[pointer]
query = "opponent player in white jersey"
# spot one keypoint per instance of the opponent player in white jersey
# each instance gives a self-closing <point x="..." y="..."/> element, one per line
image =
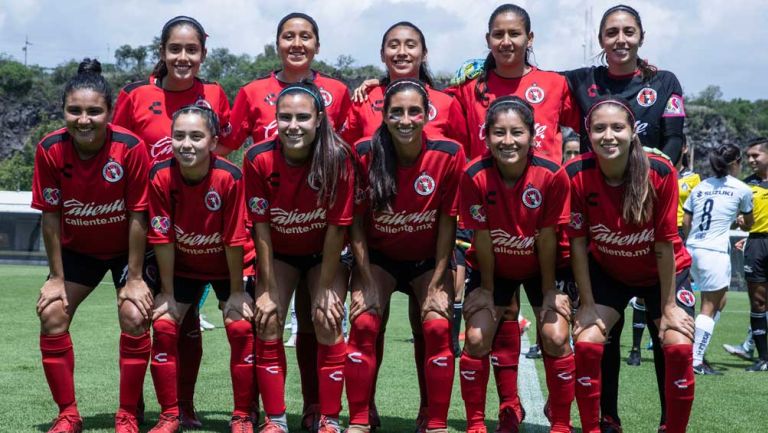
<point x="710" y="210"/>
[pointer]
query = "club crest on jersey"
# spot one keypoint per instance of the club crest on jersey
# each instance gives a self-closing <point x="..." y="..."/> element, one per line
<point x="477" y="212"/>
<point x="534" y="94"/>
<point x="202" y="103"/>
<point x="531" y="197"/>
<point x="161" y="224"/>
<point x="327" y="97"/>
<point x="577" y="221"/>
<point x="258" y="205"/>
<point x="377" y="105"/>
<point x="212" y="200"/>
<point x="646" y="97"/>
<point x="270" y="98"/>
<point x="686" y="297"/>
<point x="52" y="196"/>
<point x="432" y="112"/>
<point x="424" y="184"/>
<point x="112" y="171"/>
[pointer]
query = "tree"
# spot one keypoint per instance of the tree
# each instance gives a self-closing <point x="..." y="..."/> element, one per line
<point x="15" y="78"/>
<point x="132" y="59"/>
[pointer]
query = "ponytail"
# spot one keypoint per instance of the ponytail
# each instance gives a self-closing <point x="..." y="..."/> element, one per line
<point x="722" y="156"/>
<point x="637" y="202"/>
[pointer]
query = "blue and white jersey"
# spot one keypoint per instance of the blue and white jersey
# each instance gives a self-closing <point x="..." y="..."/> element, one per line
<point x="714" y="205"/>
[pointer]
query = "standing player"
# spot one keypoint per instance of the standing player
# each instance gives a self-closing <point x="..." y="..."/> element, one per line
<point x="299" y="190"/>
<point x="90" y="183"/>
<point x="197" y="215"/>
<point x="710" y="210"/>
<point x="412" y="187"/>
<point x="146" y="108"/>
<point x="513" y="200"/>
<point x="624" y="243"/>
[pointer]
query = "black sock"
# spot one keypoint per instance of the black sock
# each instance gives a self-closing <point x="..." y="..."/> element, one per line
<point x="638" y="325"/>
<point x="659" y="366"/>
<point x="759" y="324"/>
<point x="610" y="365"/>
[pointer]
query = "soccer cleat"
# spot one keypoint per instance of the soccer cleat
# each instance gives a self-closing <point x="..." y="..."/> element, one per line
<point x="739" y="351"/>
<point x="534" y="352"/>
<point x="760" y="365"/>
<point x="373" y="417"/>
<point x="291" y="341"/>
<point x="166" y="424"/>
<point x="662" y="429"/>
<point x="255" y="411"/>
<point x="704" y="369"/>
<point x="310" y="418"/>
<point x="477" y="430"/>
<point x="125" y="423"/>
<point x="610" y="425"/>
<point x="271" y="427"/>
<point x="188" y="415"/>
<point x="67" y="424"/>
<point x="509" y="421"/>
<point x="240" y="424"/>
<point x="421" y="420"/>
<point x="634" y="358"/>
<point x="548" y="415"/>
<point x="328" y="425"/>
<point x="523" y="323"/>
<point x="205" y="325"/>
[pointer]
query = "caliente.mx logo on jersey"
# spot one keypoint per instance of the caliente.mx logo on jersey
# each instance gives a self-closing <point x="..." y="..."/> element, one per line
<point x="424" y="184"/>
<point x="112" y="171"/>
<point x="212" y="200"/>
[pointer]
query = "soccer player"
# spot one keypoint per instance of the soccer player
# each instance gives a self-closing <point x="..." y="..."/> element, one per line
<point x="300" y="194"/>
<point x="624" y="243"/>
<point x="513" y="201"/>
<point x="571" y="146"/>
<point x="90" y="184"/>
<point x="146" y="108"/>
<point x="710" y="210"/>
<point x="756" y="251"/>
<point x="197" y="219"/>
<point x="411" y="197"/>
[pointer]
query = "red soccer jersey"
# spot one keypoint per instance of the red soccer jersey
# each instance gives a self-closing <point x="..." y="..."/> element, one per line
<point x="280" y="194"/>
<point x="198" y="219"/>
<point x="446" y="118"/>
<point x="95" y="195"/>
<point x="624" y="251"/>
<point x="147" y="109"/>
<point x="254" y="110"/>
<point x="548" y="94"/>
<point x="425" y="189"/>
<point x="513" y="214"/>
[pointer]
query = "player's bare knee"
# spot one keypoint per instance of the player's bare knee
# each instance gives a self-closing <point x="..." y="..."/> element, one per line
<point x="555" y="342"/>
<point x="592" y="334"/>
<point x="54" y="319"/>
<point x="672" y="337"/>
<point x="131" y="320"/>
<point x="475" y="344"/>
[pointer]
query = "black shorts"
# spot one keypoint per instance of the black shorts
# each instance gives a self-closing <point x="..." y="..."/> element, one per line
<point x="756" y="258"/>
<point x="404" y="271"/>
<point x="460" y="252"/>
<point x="612" y="293"/>
<point x="190" y="290"/>
<point x="309" y="261"/>
<point x="565" y="283"/>
<point x="505" y="289"/>
<point x="89" y="271"/>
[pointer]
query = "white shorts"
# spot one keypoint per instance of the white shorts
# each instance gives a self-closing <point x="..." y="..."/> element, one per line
<point x="711" y="270"/>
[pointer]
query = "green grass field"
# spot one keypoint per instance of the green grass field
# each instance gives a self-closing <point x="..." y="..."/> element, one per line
<point x="735" y="402"/>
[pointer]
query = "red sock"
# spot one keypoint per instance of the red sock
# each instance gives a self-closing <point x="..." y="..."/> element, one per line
<point x="505" y="357"/>
<point x="163" y="368"/>
<point x="679" y="385"/>
<point x="59" y="368"/>
<point x="360" y="365"/>
<point x="419" y="356"/>
<point x="379" y="360"/>
<point x="190" y="348"/>
<point x="438" y="370"/>
<point x="560" y="374"/>
<point x="134" y="358"/>
<point x="271" y="375"/>
<point x="588" y="358"/>
<point x="330" y="374"/>
<point x="240" y="336"/>
<point x="306" y="358"/>
<point x="473" y="376"/>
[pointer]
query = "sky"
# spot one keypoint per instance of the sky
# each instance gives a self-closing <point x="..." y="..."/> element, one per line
<point x="706" y="42"/>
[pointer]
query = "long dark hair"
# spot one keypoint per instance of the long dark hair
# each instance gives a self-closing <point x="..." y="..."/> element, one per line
<point x="481" y="85"/>
<point x="88" y="77"/>
<point x="161" y="69"/>
<point x="382" y="174"/>
<point x="637" y="201"/>
<point x="646" y="69"/>
<point x="424" y="75"/>
<point x="723" y="155"/>
<point x="329" y="150"/>
<point x="303" y="16"/>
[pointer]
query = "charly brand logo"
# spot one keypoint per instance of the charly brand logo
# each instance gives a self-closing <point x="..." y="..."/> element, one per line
<point x="355" y="357"/>
<point x="212" y="200"/>
<point x="534" y="94"/>
<point x="605" y="235"/>
<point x="424" y="184"/>
<point x="161" y="224"/>
<point x="112" y="171"/>
<point x="52" y="196"/>
<point x="531" y="197"/>
<point x="258" y="205"/>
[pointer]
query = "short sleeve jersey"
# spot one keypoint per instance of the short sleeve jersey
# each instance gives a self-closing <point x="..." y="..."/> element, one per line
<point x="686" y="181"/>
<point x="446" y="117"/>
<point x="624" y="251"/>
<point x="146" y="109"/>
<point x="281" y="195"/>
<point x="425" y="189"/>
<point x="714" y="204"/>
<point x="200" y="219"/>
<point x="513" y="214"/>
<point x="760" y="203"/>
<point x="94" y="196"/>
<point x="253" y="113"/>
<point x="657" y="103"/>
<point x="546" y="91"/>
